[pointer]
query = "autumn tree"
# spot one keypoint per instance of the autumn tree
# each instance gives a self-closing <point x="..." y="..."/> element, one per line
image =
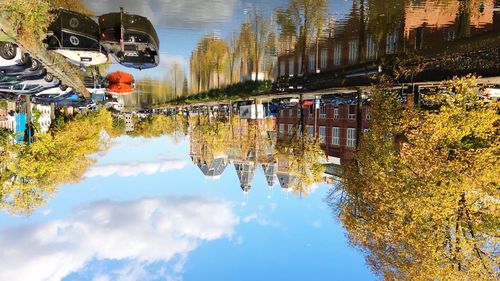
<point x="31" y="173"/>
<point x="420" y="197"/>
<point x="303" y="156"/>
<point x="302" y="19"/>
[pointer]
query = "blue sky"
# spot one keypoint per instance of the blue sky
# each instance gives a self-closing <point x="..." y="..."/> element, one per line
<point x="144" y="212"/>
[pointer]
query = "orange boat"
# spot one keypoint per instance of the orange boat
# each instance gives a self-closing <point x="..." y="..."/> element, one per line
<point x="120" y="89"/>
<point x="120" y="83"/>
<point x="120" y="77"/>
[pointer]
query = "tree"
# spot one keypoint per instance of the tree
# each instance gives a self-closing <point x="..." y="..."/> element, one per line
<point x="302" y="154"/>
<point x="30" y="174"/>
<point x="261" y="31"/>
<point x="420" y="196"/>
<point x="304" y="20"/>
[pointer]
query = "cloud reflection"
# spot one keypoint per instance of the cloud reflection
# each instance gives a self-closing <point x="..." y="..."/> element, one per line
<point x="143" y="232"/>
<point x="193" y="14"/>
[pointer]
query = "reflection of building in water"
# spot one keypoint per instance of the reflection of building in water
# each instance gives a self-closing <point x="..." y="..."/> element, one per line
<point x="214" y="168"/>
<point x="245" y="143"/>
<point x="364" y="39"/>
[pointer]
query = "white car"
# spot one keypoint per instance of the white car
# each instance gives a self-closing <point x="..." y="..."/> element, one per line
<point x="10" y="55"/>
<point x="115" y="105"/>
<point x="30" y="87"/>
<point x="491" y="92"/>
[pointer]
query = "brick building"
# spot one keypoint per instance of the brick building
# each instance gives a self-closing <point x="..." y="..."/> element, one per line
<point x="335" y="123"/>
<point x="355" y="42"/>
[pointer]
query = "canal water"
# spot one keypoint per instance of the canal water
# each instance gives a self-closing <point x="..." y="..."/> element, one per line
<point x="151" y="180"/>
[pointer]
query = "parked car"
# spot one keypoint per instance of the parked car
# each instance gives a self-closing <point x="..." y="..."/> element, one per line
<point x="30" y="87"/>
<point x="11" y="54"/>
<point x="131" y="39"/>
<point x="491" y="92"/>
<point x="115" y="105"/>
<point x="32" y="68"/>
<point x="53" y="95"/>
<point x="76" y="37"/>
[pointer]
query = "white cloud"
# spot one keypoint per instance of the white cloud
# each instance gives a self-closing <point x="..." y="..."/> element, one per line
<point x="142" y="232"/>
<point x="192" y="14"/>
<point x="131" y="169"/>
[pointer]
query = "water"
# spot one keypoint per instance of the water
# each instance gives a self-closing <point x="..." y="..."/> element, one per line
<point x="168" y="184"/>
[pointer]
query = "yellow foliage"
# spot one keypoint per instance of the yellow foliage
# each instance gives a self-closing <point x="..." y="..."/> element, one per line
<point x="421" y="197"/>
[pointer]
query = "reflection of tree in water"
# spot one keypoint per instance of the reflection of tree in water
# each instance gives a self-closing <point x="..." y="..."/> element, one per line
<point x="421" y="197"/>
<point x="30" y="174"/>
<point x="303" y="155"/>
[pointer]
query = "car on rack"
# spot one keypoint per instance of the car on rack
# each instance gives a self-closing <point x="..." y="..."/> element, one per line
<point x="31" y="68"/>
<point x="76" y="37"/>
<point x="53" y="95"/>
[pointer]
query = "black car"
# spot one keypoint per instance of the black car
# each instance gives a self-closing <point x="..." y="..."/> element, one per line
<point x="131" y="39"/>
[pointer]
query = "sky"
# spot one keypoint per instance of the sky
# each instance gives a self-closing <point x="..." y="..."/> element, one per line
<point x="181" y="24"/>
<point x="145" y="212"/>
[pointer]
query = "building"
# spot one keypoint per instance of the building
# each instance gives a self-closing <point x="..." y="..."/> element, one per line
<point x="335" y="122"/>
<point x="358" y="44"/>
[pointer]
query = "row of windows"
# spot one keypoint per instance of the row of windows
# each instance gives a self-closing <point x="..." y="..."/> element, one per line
<point x="322" y="113"/>
<point x="371" y="54"/>
<point x="335" y="140"/>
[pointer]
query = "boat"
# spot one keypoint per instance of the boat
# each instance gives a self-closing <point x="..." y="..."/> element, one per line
<point x="120" y="83"/>
<point x="76" y="37"/>
<point x="130" y="39"/>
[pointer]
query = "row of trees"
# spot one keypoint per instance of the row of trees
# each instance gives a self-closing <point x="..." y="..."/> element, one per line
<point x="251" y="53"/>
<point x="247" y="54"/>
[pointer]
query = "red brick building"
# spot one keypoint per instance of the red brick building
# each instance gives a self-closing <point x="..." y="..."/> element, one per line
<point x="354" y="42"/>
<point x="335" y="125"/>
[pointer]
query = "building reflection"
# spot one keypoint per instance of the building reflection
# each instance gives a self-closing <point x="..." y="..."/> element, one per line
<point x="377" y="36"/>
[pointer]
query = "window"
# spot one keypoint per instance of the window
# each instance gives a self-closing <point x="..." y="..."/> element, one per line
<point x="337" y="56"/>
<point x="290" y="112"/>
<point x="419" y="38"/>
<point x="322" y="134"/>
<point x="351" y="137"/>
<point x="312" y="63"/>
<point x="336" y="114"/>
<point x="299" y="66"/>
<point x="310" y="130"/>
<point x="352" y="112"/>
<point x="368" y="115"/>
<point x="290" y="129"/>
<point x="291" y="67"/>
<point x="298" y="112"/>
<point x="449" y="35"/>
<point x="371" y="48"/>
<point x="392" y="41"/>
<point x="282" y="68"/>
<point x="353" y="51"/>
<point x="335" y="136"/>
<point x="282" y="113"/>
<point x="282" y="128"/>
<point x="324" y="58"/>
<point x="322" y="111"/>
